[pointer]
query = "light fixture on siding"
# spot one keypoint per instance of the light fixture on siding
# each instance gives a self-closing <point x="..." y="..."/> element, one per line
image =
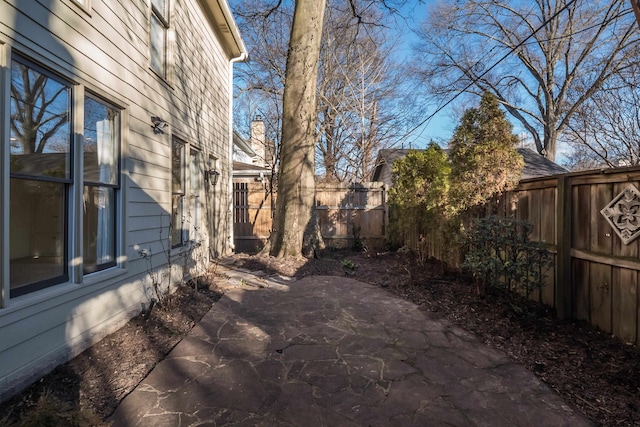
<point x="158" y="124"/>
<point x="212" y="176"/>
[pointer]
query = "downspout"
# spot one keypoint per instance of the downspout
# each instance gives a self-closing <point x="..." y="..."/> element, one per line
<point x="243" y="57"/>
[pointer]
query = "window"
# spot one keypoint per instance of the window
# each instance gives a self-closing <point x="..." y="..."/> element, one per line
<point x="186" y="184"/>
<point x="195" y="187"/>
<point x="101" y="183"/>
<point x="40" y="178"/>
<point x="240" y="202"/>
<point x="44" y="176"/>
<point x="178" y="191"/>
<point x="158" y="37"/>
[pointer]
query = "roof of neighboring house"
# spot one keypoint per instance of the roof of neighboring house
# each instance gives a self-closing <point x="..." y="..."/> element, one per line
<point x="535" y="165"/>
<point x="242" y="144"/>
<point x="386" y="157"/>
<point x="240" y="166"/>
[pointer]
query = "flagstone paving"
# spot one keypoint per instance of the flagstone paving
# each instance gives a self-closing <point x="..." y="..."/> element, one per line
<point x="333" y="351"/>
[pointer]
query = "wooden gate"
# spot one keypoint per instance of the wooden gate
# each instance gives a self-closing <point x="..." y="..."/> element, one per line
<point x="253" y="209"/>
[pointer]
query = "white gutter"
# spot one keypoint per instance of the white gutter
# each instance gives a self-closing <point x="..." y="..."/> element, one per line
<point x="223" y="23"/>
<point x="235" y="31"/>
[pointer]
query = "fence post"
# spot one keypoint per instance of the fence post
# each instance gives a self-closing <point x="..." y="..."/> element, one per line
<point x="385" y="213"/>
<point x="563" y="277"/>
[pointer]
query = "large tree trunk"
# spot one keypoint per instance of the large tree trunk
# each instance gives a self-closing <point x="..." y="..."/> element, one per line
<point x="296" y="182"/>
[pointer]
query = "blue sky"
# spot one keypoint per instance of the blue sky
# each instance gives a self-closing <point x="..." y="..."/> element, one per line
<point x="441" y="126"/>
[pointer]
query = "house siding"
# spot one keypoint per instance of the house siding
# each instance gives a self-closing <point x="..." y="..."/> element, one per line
<point x="104" y="50"/>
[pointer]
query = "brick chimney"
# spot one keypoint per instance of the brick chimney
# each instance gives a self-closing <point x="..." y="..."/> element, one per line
<point x="257" y="141"/>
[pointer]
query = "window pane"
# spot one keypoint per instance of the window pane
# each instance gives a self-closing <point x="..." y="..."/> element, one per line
<point x="101" y="142"/>
<point x="40" y="125"/>
<point x="99" y="241"/>
<point x="177" y="185"/>
<point x="194" y="172"/>
<point x="37" y="234"/>
<point x="177" y="220"/>
<point x="157" y="45"/>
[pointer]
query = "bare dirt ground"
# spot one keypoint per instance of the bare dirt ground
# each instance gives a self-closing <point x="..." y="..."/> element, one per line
<point x="593" y="371"/>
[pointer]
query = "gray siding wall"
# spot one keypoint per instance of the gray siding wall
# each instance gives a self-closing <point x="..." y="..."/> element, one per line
<point x="105" y="50"/>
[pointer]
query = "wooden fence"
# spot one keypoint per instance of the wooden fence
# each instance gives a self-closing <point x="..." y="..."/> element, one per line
<point x="345" y="213"/>
<point x="596" y="275"/>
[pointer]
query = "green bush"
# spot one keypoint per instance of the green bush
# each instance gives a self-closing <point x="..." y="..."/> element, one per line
<point x="436" y="194"/>
<point x="418" y="198"/>
<point x="500" y="255"/>
<point x="484" y="159"/>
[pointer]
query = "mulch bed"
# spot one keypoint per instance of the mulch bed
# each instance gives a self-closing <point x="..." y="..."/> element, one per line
<point x="86" y="390"/>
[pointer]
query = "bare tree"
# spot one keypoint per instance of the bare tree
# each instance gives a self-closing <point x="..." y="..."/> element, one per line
<point x="265" y="26"/>
<point x="605" y="131"/>
<point x="295" y="223"/>
<point x="40" y="111"/>
<point x="361" y="107"/>
<point x="543" y="59"/>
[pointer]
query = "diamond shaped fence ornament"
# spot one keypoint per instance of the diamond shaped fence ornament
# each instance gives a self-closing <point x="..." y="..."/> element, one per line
<point x="623" y="214"/>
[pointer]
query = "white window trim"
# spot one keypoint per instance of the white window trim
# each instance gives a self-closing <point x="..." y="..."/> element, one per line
<point x="168" y="23"/>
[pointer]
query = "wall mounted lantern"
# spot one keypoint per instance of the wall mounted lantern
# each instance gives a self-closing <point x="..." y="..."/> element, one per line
<point x="212" y="176"/>
<point x="158" y="125"/>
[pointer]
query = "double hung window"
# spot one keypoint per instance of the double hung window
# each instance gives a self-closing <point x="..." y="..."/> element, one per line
<point x="195" y="188"/>
<point x="186" y="205"/>
<point x="101" y="184"/>
<point x="45" y="172"/>
<point x="178" y="217"/>
<point x="41" y="147"/>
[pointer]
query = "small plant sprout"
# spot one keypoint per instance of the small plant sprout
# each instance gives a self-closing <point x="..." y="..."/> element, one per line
<point x="349" y="266"/>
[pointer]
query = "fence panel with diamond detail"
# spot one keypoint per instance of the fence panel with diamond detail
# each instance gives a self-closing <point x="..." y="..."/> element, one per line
<point x="589" y="221"/>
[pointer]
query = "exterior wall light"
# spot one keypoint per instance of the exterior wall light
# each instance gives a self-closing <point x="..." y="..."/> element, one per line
<point x="212" y="176"/>
<point x="158" y="124"/>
